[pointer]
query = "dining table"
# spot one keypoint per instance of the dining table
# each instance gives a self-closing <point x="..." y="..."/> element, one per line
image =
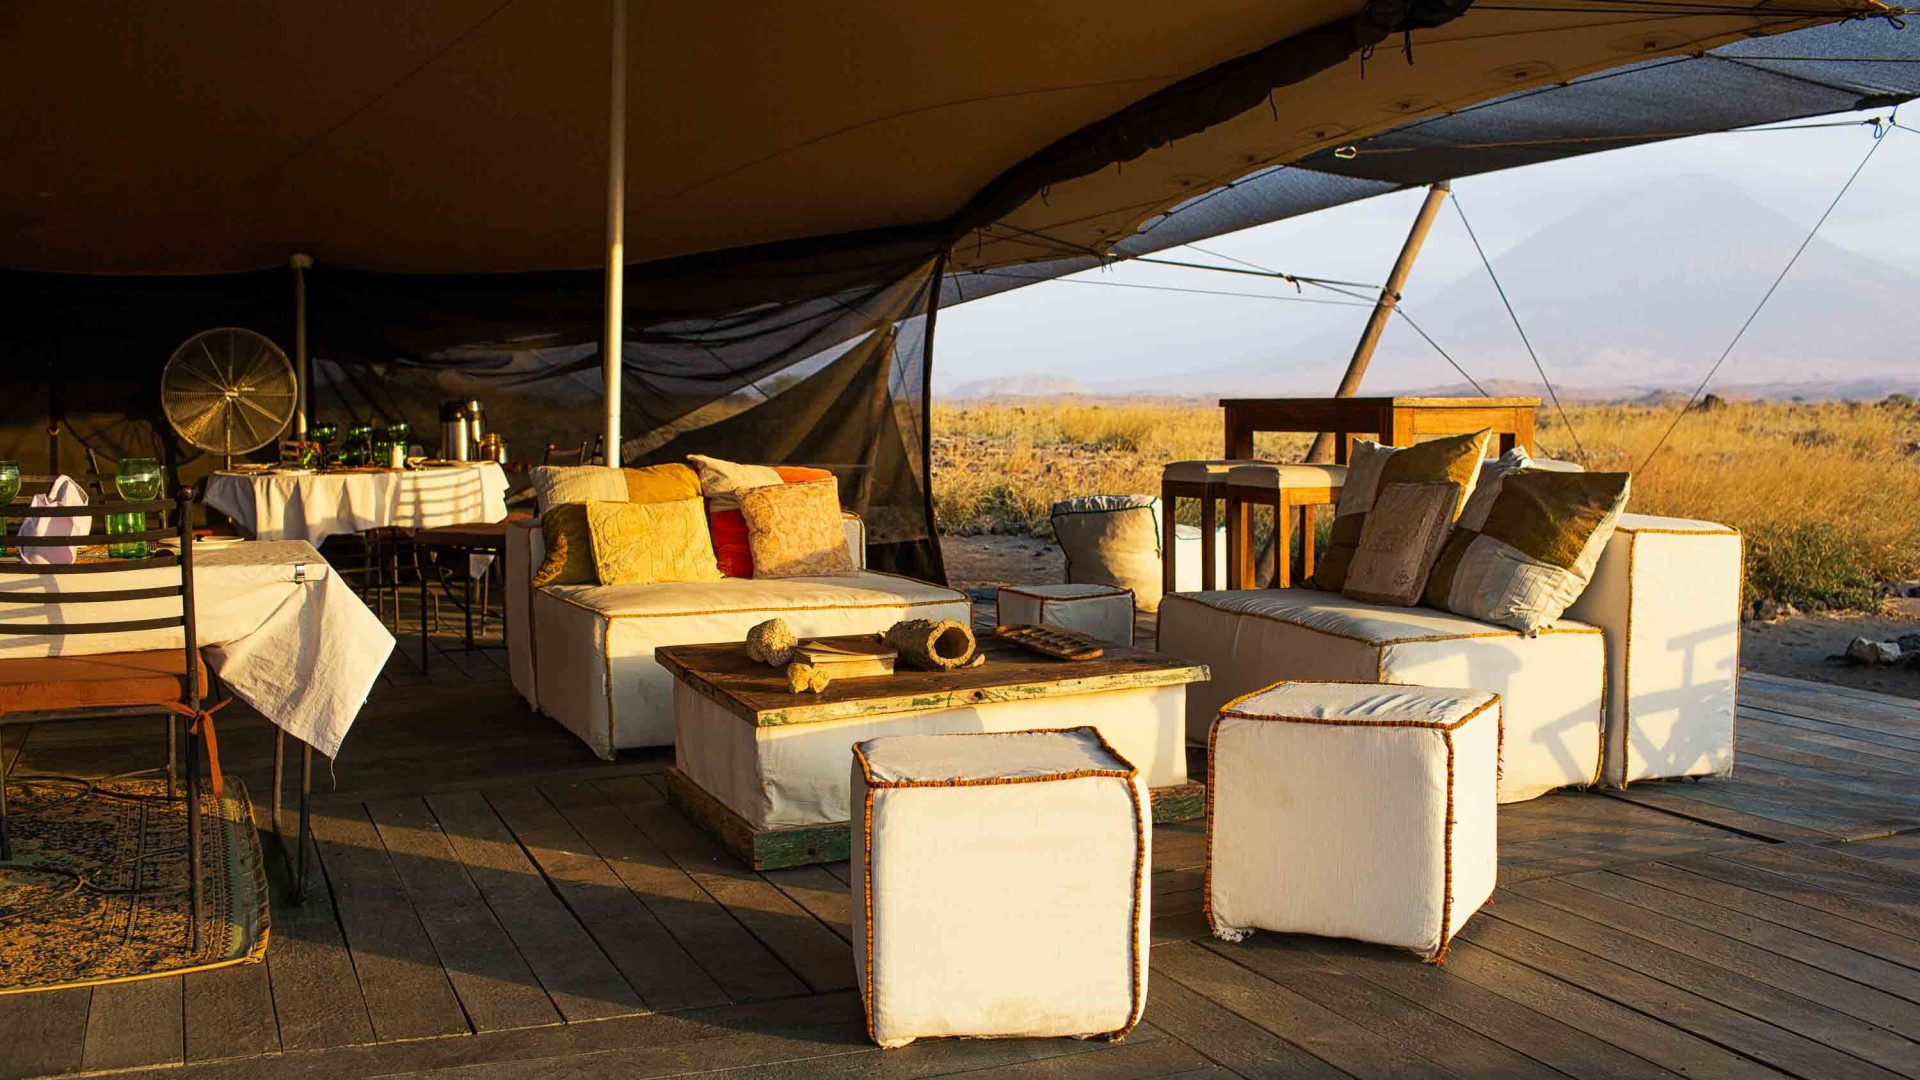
<point x="312" y="505"/>
<point x="276" y="625"/>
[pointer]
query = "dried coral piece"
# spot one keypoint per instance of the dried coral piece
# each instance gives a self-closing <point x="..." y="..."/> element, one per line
<point x="931" y="645"/>
<point x="772" y="642"/>
<point x="806" y="679"/>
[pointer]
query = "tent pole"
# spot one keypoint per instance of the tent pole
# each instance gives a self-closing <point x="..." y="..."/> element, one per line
<point x="1383" y="309"/>
<point x="615" y="336"/>
<point x="301" y="377"/>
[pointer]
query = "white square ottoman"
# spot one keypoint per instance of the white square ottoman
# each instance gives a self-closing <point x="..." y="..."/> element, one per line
<point x="1354" y="810"/>
<point x="1104" y="611"/>
<point x="999" y="886"/>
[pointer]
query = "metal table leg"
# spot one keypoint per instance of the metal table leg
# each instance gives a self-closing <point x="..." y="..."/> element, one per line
<point x="296" y="862"/>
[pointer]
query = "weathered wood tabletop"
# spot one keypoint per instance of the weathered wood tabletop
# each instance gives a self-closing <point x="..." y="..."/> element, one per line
<point x="758" y="694"/>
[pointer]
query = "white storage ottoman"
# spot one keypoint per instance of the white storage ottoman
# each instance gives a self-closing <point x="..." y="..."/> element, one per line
<point x="1104" y="611"/>
<point x="1353" y="810"/>
<point x="999" y="886"/>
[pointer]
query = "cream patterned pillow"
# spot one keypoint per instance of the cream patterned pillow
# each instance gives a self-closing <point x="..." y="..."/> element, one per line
<point x="1402" y="537"/>
<point x="723" y="481"/>
<point x="1371" y="467"/>
<point x="641" y="543"/>
<point x="794" y="530"/>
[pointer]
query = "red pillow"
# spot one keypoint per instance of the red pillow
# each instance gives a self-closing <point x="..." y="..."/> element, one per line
<point x="800" y="474"/>
<point x="730" y="547"/>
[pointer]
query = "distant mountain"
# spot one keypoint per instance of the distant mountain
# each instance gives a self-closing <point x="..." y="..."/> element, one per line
<point x="1641" y="289"/>
<point x="1017" y="386"/>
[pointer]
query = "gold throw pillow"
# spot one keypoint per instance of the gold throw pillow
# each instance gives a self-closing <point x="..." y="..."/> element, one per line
<point x="641" y="543"/>
<point x="662" y="483"/>
<point x="569" y="559"/>
<point x="1371" y="467"/>
<point x="794" y="530"/>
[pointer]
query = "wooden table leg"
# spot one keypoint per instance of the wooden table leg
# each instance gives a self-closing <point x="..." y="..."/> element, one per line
<point x="1168" y="533"/>
<point x="1307" y="542"/>
<point x="1209" y="522"/>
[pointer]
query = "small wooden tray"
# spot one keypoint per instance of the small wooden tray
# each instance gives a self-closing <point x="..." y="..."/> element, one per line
<point x="1052" y="641"/>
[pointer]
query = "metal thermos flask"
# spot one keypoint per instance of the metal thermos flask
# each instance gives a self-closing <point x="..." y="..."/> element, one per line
<point x="455" y="431"/>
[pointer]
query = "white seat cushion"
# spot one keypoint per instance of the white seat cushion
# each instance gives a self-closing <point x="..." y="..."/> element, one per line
<point x="1202" y="471"/>
<point x="999" y="886"/>
<point x="593" y="644"/>
<point x="1268" y="476"/>
<point x="1667" y="592"/>
<point x="1354" y="810"/>
<point x="1552" y="686"/>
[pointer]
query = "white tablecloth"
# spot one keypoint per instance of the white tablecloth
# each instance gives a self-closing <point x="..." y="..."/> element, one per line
<point x="284" y="633"/>
<point x="274" y="506"/>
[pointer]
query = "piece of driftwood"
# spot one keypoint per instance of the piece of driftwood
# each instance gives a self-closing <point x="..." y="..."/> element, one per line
<point x="772" y="642"/>
<point x="933" y="645"/>
<point x="1054" y="641"/>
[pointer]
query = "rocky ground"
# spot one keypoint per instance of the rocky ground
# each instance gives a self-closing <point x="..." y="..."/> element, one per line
<point x="1799" y="645"/>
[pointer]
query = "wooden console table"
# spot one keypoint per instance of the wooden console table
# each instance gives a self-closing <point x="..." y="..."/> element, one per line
<point x="1397" y="421"/>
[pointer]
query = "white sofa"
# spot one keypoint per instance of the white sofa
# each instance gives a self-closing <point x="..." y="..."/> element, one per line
<point x="1640" y="673"/>
<point x="583" y="654"/>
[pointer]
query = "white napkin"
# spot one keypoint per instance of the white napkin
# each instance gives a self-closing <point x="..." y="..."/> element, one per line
<point x="63" y="493"/>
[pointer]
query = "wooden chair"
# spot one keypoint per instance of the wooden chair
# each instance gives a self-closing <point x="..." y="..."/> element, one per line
<point x="172" y="682"/>
<point x="1203" y="480"/>
<point x="1293" y="491"/>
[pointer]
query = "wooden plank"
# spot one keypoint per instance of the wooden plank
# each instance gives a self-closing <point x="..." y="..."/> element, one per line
<point x="1603" y="1019"/>
<point x="1289" y="961"/>
<point x="1777" y="940"/>
<point x="43" y="1033"/>
<point x="1321" y="1032"/>
<point x="1676" y="797"/>
<point x="229" y="1013"/>
<point x="1834" y="1031"/>
<point x="758" y="694"/>
<point x="731" y="956"/>
<point x="1242" y="1046"/>
<point x="495" y="986"/>
<point x="1758" y="964"/>
<point x="1905" y="743"/>
<point x="1854" y="766"/>
<point x="1799" y="890"/>
<point x="1775" y="729"/>
<point x="582" y="982"/>
<point x="632" y="937"/>
<point x="812" y="951"/>
<point x="1767" y="818"/>
<point x="406" y="990"/>
<point x="1521" y="1029"/>
<point x="317" y="1001"/>
<point x="1623" y="984"/>
<point x="1690" y="881"/>
<point x="135" y="1023"/>
<point x="824" y="896"/>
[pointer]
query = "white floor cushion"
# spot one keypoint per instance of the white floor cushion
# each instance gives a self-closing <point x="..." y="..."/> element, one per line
<point x="1667" y="592"/>
<point x="1552" y="686"/>
<point x="1104" y="611"/>
<point x="999" y="886"/>
<point x="1352" y="810"/>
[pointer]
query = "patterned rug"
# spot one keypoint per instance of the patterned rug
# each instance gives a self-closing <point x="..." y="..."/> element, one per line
<point x="106" y="899"/>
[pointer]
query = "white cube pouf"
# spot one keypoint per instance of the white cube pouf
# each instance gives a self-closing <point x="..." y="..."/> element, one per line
<point x="999" y="885"/>
<point x="1353" y="810"/>
<point x="1104" y="611"/>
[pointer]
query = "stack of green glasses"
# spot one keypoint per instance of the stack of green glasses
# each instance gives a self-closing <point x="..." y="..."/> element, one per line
<point x="137" y="480"/>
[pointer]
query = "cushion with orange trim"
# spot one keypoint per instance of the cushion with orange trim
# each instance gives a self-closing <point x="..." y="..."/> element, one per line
<point x="102" y="681"/>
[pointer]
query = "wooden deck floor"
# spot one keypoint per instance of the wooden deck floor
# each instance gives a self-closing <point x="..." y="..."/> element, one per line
<point x="495" y="903"/>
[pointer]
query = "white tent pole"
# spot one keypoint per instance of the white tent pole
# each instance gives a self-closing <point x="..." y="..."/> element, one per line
<point x="616" y="231"/>
<point x="300" y="263"/>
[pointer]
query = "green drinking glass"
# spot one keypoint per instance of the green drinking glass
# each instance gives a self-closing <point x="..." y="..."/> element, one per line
<point x="126" y="523"/>
<point x="9" y="481"/>
<point x="137" y="480"/>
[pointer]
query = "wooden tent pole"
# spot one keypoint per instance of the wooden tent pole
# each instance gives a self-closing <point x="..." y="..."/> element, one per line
<point x="301" y="378"/>
<point x="615" y="336"/>
<point x="1383" y="309"/>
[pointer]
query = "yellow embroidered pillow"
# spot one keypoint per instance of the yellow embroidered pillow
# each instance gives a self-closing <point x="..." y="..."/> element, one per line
<point x="569" y="558"/>
<point x="662" y="483"/>
<point x="794" y="530"/>
<point x="641" y="543"/>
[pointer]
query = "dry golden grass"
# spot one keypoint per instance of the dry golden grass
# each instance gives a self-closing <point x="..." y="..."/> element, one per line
<point x="1828" y="495"/>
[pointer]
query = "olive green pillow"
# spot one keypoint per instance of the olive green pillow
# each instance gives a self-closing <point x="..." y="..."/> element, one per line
<point x="1371" y="467"/>
<point x="569" y="558"/>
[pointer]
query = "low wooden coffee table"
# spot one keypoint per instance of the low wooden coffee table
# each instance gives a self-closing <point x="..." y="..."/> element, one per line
<point x="768" y="771"/>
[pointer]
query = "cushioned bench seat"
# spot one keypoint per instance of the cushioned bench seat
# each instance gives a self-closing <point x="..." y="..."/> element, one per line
<point x="1552" y="685"/>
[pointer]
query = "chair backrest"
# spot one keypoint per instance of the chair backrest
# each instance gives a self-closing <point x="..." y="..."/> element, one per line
<point x="571" y="455"/>
<point x="104" y="574"/>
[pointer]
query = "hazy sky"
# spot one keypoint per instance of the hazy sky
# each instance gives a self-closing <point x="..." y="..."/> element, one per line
<point x="1085" y="327"/>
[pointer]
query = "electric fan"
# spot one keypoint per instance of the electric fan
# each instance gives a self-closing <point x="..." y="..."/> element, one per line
<point x="228" y="391"/>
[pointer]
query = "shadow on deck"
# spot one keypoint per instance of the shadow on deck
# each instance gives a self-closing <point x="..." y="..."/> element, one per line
<point x="495" y="900"/>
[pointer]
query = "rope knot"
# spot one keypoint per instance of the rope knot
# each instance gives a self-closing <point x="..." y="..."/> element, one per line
<point x="201" y="723"/>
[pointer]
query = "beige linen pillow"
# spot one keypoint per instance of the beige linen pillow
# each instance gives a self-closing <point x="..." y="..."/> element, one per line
<point x="794" y="530"/>
<point x="641" y="543"/>
<point x="722" y="481"/>
<point x="1403" y="536"/>
<point x="556" y="484"/>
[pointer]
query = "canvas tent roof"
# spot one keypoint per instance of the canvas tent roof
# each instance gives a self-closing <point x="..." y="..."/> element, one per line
<point x="804" y="180"/>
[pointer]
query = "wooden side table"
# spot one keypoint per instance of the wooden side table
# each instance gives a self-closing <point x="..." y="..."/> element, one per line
<point x="1398" y="421"/>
